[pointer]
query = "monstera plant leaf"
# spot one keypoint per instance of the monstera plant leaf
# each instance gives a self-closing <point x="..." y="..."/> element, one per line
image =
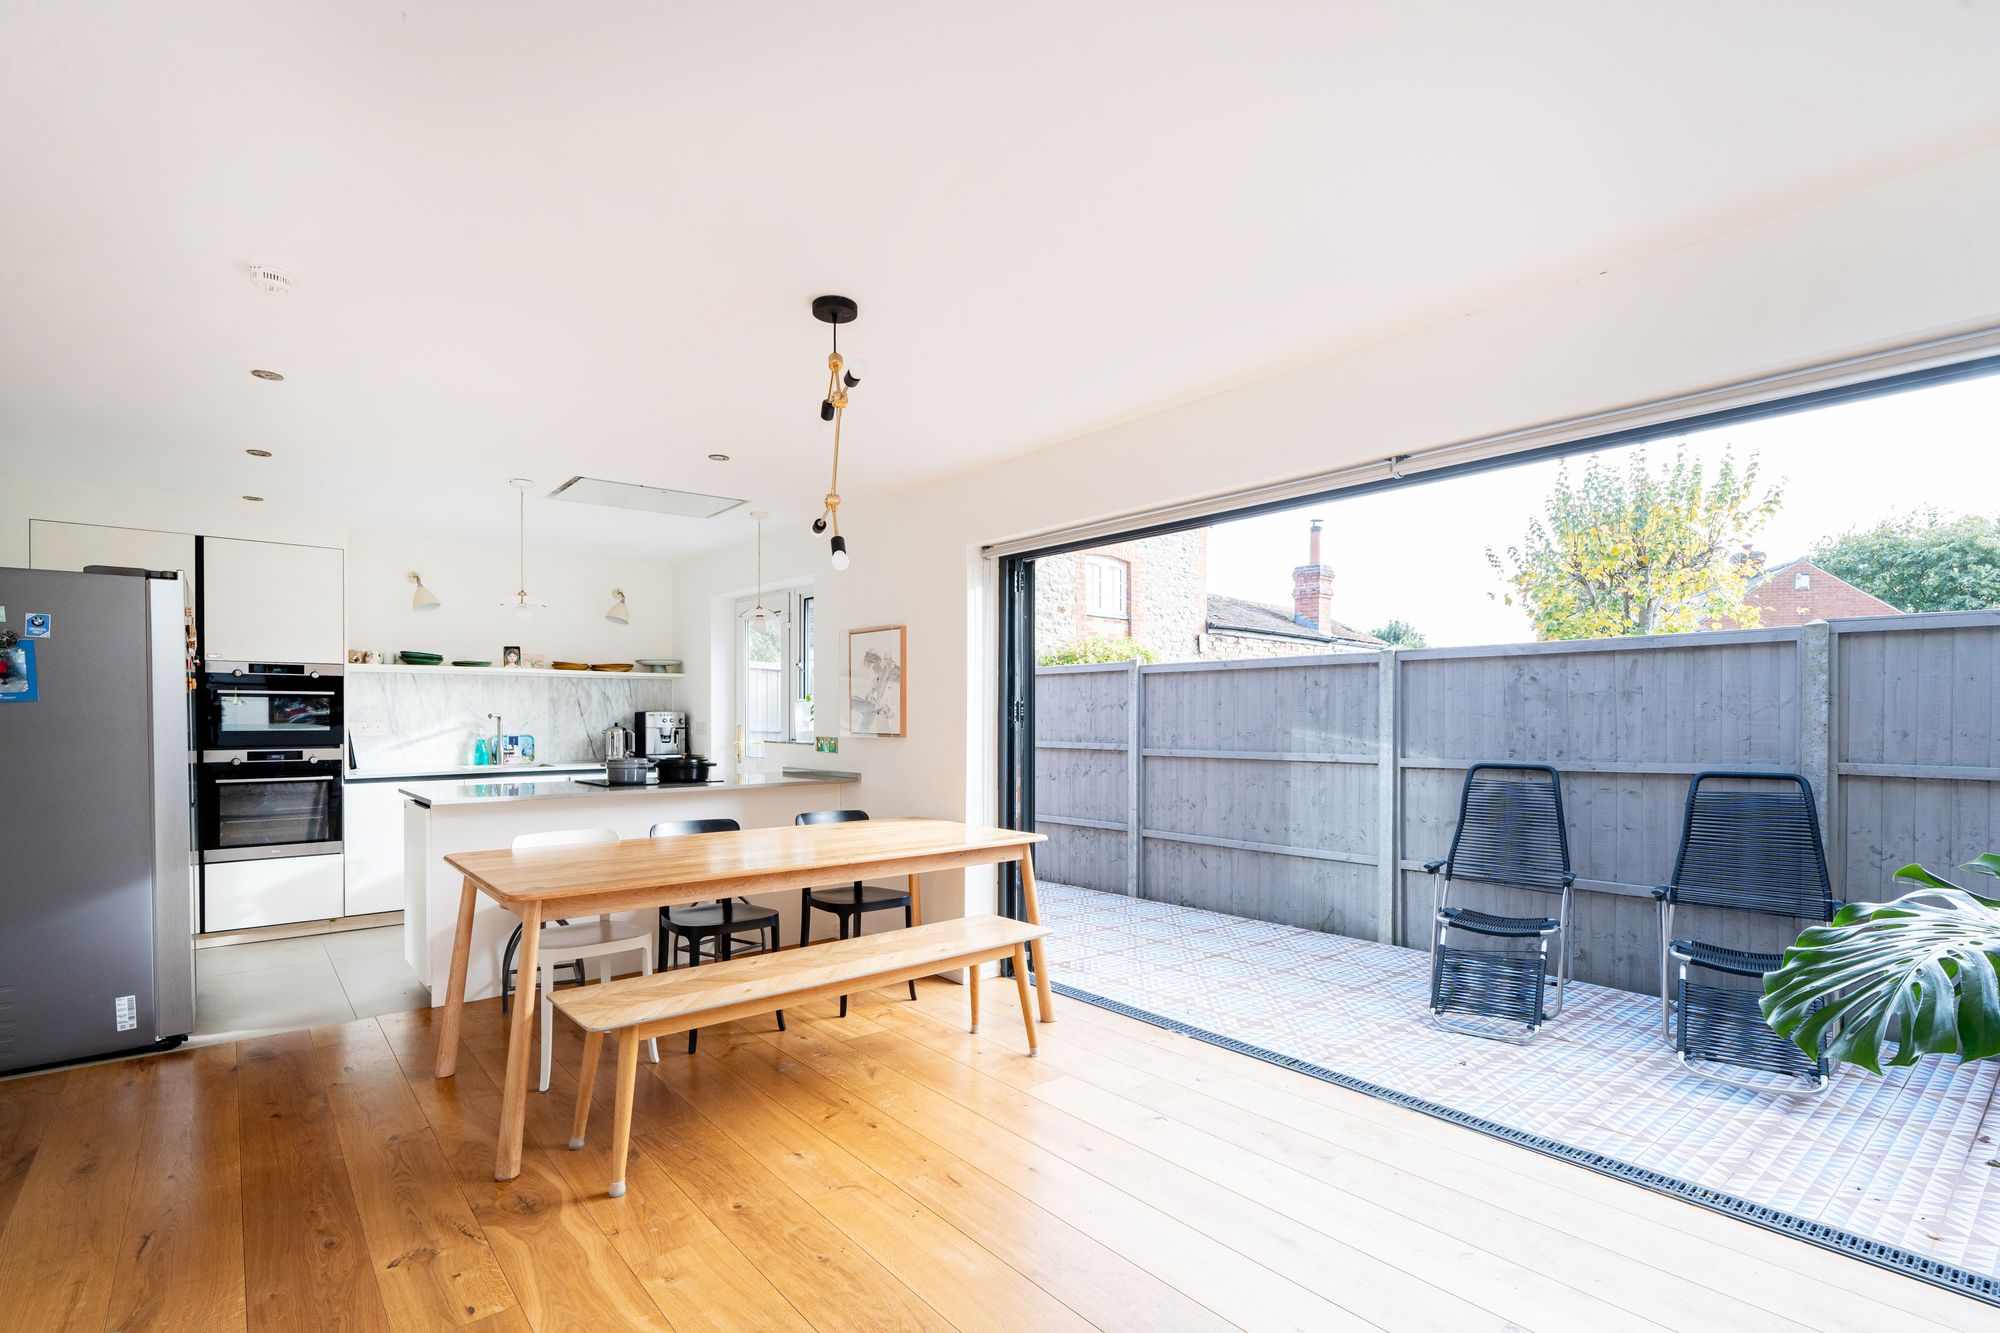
<point x="1925" y="968"/>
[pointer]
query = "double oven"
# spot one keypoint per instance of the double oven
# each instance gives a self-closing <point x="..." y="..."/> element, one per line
<point x="267" y="792"/>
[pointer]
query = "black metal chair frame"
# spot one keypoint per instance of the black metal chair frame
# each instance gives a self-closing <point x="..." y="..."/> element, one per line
<point x="695" y="927"/>
<point x="1498" y="856"/>
<point x="866" y="897"/>
<point x="1736" y="885"/>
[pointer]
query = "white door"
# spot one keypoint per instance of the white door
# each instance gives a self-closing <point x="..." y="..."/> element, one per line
<point x="272" y="602"/>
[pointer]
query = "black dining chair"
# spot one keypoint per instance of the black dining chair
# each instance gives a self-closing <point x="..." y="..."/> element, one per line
<point x="717" y="925"/>
<point x="849" y="903"/>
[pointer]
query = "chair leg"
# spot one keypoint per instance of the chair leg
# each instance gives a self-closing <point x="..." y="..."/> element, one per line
<point x="805" y="917"/>
<point x="908" y="921"/>
<point x="507" y="968"/>
<point x="694" y="960"/>
<point x="548" y="971"/>
<point x="645" y="970"/>
<point x="843" y="935"/>
<point x="586" y="1083"/>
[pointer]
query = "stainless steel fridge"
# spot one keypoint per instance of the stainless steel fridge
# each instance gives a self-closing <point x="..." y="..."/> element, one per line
<point x="96" y="867"/>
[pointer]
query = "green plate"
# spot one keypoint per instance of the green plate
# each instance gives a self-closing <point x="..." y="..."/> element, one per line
<point x="422" y="659"/>
<point x="472" y="664"/>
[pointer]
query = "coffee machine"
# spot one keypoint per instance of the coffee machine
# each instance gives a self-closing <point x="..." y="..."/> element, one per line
<point x="660" y="733"/>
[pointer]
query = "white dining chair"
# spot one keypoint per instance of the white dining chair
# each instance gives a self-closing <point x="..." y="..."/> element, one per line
<point x="599" y="939"/>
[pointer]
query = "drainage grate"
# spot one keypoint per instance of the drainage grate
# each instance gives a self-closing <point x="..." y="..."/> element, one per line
<point x="1949" y="1276"/>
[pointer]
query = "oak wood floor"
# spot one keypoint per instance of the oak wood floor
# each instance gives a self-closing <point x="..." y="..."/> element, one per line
<point x="879" y="1172"/>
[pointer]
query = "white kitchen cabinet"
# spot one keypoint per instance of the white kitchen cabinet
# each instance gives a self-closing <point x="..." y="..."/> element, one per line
<point x="241" y="895"/>
<point x="372" y="825"/>
<point x="272" y="602"/>
<point x="53" y="545"/>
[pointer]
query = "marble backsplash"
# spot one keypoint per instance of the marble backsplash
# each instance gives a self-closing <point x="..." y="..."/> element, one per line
<point x="432" y="721"/>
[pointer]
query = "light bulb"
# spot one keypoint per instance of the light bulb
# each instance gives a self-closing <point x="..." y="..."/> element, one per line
<point x="855" y="372"/>
<point x="523" y="613"/>
<point x="840" y="553"/>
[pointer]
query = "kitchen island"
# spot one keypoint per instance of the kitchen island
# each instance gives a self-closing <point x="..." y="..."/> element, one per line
<point x="442" y="819"/>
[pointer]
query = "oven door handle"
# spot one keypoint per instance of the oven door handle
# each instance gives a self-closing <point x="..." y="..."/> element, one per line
<point x="312" y="694"/>
<point x="238" y="782"/>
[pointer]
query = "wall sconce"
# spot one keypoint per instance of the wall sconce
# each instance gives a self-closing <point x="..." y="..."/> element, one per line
<point x="423" y="599"/>
<point x="619" y="614"/>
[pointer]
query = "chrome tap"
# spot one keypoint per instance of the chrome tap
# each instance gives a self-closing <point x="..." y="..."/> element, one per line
<point x="497" y="746"/>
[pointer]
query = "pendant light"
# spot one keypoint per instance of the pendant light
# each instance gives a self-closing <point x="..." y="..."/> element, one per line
<point x="523" y="605"/>
<point x="840" y="377"/>
<point x="761" y="614"/>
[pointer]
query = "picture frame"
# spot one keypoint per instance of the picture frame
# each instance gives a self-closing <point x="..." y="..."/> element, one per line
<point x="510" y="655"/>
<point x="878" y="691"/>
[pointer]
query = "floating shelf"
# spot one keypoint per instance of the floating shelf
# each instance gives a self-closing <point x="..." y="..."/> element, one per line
<point x="404" y="668"/>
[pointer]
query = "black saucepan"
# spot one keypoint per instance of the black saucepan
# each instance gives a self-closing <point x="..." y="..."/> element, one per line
<point x="684" y="768"/>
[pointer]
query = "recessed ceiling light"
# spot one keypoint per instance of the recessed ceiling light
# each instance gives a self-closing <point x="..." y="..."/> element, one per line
<point x="718" y="458"/>
<point x="258" y="453"/>
<point x="254" y="499"/>
<point x="267" y="374"/>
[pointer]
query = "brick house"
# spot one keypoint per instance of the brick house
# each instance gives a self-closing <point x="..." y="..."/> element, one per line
<point x="1155" y="591"/>
<point x="1800" y="592"/>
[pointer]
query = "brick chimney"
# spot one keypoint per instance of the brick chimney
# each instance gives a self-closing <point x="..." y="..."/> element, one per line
<point x="1312" y="588"/>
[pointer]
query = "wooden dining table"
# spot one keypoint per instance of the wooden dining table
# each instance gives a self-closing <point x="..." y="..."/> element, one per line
<point x="548" y="883"/>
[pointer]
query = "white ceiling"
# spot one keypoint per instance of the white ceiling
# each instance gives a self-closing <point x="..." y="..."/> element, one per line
<point x="539" y="240"/>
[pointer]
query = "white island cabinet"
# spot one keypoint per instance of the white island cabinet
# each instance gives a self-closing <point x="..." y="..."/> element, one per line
<point x="441" y="819"/>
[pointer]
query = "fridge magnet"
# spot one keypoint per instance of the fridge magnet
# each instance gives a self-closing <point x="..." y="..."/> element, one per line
<point x="37" y="625"/>
<point x="876" y="694"/>
<point x="18" y="684"/>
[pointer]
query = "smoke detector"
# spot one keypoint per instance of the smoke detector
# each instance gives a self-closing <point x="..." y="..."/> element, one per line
<point x="273" y="280"/>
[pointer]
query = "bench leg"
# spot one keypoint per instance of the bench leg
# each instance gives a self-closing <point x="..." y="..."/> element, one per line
<point x="972" y="987"/>
<point x="1027" y="1007"/>
<point x="621" y="1124"/>
<point x="586" y="1083"/>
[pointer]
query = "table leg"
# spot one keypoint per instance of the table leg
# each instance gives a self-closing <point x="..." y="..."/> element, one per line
<point x="972" y="986"/>
<point x="916" y="903"/>
<point x="454" y="987"/>
<point x="520" y="1043"/>
<point x="1034" y="913"/>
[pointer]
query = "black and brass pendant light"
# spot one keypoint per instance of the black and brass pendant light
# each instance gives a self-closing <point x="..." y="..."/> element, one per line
<point x="841" y="376"/>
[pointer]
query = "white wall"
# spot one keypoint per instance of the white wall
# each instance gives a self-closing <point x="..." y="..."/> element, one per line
<point x="1888" y="263"/>
<point x="469" y="580"/>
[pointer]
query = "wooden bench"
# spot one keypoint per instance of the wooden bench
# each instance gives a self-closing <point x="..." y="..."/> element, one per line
<point x="642" y="1008"/>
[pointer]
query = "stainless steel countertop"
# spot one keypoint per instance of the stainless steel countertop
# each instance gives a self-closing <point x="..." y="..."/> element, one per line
<point x="552" y="788"/>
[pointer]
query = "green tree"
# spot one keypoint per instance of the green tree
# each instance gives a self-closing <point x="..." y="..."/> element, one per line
<point x="1401" y="633"/>
<point x="1635" y="551"/>
<point x="1920" y="562"/>
<point x="1092" y="649"/>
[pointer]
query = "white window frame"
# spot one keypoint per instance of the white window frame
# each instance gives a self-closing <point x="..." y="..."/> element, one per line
<point x="792" y="656"/>
<point x="1093" y="567"/>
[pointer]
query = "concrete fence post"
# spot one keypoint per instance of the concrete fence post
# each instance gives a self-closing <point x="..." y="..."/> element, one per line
<point x="1135" y="834"/>
<point x="1388" y="831"/>
<point x="1816" y="737"/>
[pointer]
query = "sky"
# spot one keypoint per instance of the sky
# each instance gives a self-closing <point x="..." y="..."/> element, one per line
<point x="1419" y="552"/>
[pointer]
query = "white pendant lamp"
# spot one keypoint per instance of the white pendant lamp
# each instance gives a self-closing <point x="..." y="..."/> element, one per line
<point x="523" y="605"/>
<point x="761" y="614"/>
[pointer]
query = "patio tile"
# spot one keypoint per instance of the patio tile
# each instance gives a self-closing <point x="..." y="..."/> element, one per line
<point x="1902" y="1159"/>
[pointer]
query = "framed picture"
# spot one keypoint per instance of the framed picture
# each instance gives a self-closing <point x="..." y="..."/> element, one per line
<point x="510" y="656"/>
<point x="877" y="693"/>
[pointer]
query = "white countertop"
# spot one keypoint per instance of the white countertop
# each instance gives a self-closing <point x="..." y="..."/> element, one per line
<point x="498" y="772"/>
<point x="525" y="788"/>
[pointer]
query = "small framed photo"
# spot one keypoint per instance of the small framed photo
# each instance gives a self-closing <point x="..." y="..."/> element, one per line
<point x="877" y="691"/>
<point x="510" y="655"/>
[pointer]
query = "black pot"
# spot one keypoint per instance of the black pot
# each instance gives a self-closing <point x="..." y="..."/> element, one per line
<point x="626" y="772"/>
<point x="685" y="768"/>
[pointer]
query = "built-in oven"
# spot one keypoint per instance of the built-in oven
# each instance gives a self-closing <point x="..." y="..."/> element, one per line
<point x="270" y="706"/>
<point x="254" y="805"/>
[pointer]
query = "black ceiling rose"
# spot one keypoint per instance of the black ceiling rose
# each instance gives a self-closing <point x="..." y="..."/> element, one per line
<point x="835" y="309"/>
